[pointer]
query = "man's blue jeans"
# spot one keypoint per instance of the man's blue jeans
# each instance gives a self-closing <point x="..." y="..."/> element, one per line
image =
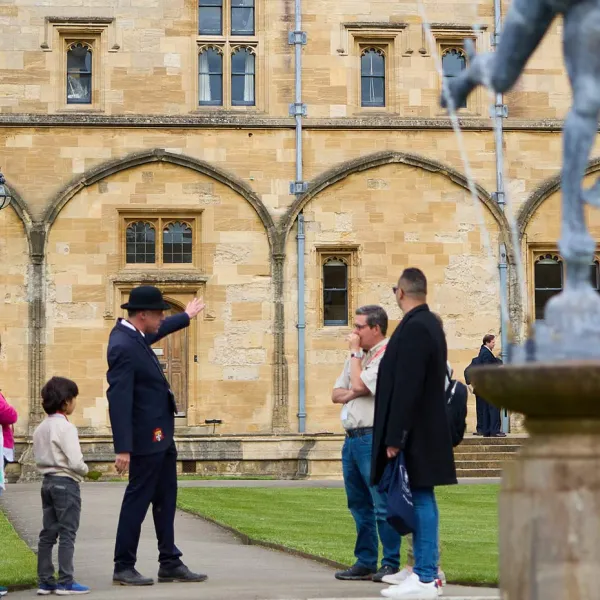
<point x="425" y="536"/>
<point x="368" y="507"/>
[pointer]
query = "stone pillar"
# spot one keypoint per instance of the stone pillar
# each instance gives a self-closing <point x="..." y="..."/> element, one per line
<point x="37" y="327"/>
<point x="280" y="423"/>
<point x="550" y="496"/>
<point x="550" y="514"/>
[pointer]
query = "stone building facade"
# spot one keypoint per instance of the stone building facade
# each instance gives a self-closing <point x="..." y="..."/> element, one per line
<point x="151" y="141"/>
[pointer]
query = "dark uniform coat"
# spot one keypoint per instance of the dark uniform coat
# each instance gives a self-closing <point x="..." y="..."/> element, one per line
<point x="410" y="408"/>
<point x="141" y="405"/>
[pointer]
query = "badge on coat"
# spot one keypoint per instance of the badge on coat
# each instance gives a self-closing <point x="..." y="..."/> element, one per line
<point x="158" y="435"/>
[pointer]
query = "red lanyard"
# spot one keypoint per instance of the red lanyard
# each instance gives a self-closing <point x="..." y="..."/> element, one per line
<point x="378" y="353"/>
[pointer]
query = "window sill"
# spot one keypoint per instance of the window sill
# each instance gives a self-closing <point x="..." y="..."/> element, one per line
<point x="231" y="110"/>
<point x="80" y="108"/>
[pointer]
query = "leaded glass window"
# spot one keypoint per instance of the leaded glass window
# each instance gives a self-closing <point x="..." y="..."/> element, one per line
<point x="140" y="243"/>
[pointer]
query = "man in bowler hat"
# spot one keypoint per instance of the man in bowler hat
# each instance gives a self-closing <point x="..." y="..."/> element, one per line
<point x="142" y="415"/>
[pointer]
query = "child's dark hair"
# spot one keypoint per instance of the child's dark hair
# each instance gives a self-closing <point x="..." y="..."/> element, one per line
<point x="57" y="392"/>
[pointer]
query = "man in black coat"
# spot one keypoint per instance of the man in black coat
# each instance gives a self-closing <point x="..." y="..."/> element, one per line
<point x="410" y="417"/>
<point x="490" y="415"/>
<point x="142" y="415"/>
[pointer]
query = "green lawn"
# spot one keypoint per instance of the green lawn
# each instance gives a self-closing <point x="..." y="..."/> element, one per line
<point x="316" y="521"/>
<point x="18" y="564"/>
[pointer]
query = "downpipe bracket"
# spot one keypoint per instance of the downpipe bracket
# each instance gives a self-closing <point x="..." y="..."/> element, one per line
<point x="298" y="187"/>
<point x="297" y="37"/>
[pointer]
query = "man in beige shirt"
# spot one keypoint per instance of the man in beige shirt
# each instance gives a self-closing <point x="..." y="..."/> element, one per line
<point x="355" y="390"/>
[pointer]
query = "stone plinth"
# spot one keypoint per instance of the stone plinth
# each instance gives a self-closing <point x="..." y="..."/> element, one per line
<point x="550" y="496"/>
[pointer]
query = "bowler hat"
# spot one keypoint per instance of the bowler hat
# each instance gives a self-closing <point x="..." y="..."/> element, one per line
<point x="146" y="297"/>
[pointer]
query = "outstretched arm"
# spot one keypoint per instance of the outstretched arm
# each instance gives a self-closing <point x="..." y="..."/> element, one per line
<point x="177" y="322"/>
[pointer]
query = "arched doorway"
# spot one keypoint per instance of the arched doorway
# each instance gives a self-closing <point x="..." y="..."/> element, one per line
<point x="172" y="354"/>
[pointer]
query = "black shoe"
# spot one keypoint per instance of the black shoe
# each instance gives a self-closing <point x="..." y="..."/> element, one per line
<point x="131" y="577"/>
<point x="355" y="573"/>
<point x="385" y="570"/>
<point x="498" y="434"/>
<point x="477" y="433"/>
<point x="180" y="574"/>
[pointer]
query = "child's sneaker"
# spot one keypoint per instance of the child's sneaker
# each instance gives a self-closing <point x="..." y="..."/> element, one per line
<point x="71" y="589"/>
<point x="45" y="589"/>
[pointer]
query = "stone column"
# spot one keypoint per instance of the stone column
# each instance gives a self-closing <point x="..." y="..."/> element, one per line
<point x="550" y="514"/>
<point x="280" y="422"/>
<point x="37" y="327"/>
<point x="550" y="496"/>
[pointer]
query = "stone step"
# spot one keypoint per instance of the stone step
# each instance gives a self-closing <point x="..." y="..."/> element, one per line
<point x="473" y="448"/>
<point x="516" y="440"/>
<point x="484" y="456"/>
<point x="478" y="473"/>
<point x="479" y="464"/>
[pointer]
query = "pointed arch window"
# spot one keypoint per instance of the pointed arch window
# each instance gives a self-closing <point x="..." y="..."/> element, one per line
<point x="242" y="76"/>
<point x="140" y="240"/>
<point x="210" y="76"/>
<point x="335" y="291"/>
<point x="372" y="77"/>
<point x="177" y="243"/>
<point x="548" y="276"/>
<point x="454" y="61"/>
<point x="79" y="73"/>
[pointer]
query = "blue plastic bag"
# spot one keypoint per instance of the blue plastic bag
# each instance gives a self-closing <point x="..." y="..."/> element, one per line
<point x="400" y="508"/>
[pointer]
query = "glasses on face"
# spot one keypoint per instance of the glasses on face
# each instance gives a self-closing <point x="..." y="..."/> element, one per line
<point x="360" y="327"/>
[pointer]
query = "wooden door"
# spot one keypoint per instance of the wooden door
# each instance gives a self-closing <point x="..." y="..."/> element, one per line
<point x="172" y="353"/>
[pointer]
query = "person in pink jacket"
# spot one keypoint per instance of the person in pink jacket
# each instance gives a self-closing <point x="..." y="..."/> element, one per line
<point x="8" y="417"/>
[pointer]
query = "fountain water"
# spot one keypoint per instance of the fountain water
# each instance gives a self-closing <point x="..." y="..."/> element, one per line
<point x="463" y="155"/>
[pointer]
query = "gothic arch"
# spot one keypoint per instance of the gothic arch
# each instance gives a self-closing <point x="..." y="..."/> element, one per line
<point x="371" y="161"/>
<point x="136" y="159"/>
<point x="543" y="191"/>
<point x="22" y="211"/>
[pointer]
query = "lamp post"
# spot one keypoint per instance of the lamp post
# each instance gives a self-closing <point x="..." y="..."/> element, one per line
<point x="5" y="196"/>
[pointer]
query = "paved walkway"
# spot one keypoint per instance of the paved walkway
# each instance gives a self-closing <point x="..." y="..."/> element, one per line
<point x="236" y="571"/>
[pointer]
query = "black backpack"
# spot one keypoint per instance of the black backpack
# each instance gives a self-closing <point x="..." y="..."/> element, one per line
<point x="474" y="363"/>
<point x="456" y="409"/>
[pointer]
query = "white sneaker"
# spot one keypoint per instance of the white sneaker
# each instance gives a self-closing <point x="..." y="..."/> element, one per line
<point x="398" y="577"/>
<point x="412" y="588"/>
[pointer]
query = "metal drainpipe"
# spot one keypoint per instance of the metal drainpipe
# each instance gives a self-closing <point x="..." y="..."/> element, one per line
<point x="298" y="187"/>
<point x="301" y="330"/>
<point x="500" y="113"/>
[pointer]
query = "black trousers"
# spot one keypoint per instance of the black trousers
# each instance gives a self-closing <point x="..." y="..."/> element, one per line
<point x="480" y="409"/>
<point x="152" y="480"/>
<point x="490" y="418"/>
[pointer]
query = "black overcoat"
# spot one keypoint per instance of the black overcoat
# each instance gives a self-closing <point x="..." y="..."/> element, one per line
<point x="486" y="357"/>
<point x="140" y="402"/>
<point x="410" y="410"/>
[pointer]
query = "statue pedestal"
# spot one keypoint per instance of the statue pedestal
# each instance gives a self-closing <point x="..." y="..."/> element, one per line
<point x="550" y="496"/>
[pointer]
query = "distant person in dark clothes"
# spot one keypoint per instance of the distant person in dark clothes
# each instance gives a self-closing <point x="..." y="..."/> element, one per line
<point x="490" y="415"/>
<point x="142" y="414"/>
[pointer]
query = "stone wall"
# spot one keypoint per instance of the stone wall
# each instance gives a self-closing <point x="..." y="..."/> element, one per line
<point x="14" y="347"/>
<point x="146" y="56"/>
<point x="386" y="183"/>
<point x="231" y="349"/>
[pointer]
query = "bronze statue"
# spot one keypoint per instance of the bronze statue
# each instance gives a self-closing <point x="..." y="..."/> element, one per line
<point x="527" y="22"/>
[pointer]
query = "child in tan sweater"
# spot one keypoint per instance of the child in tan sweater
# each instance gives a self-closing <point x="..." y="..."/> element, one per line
<point x="58" y="457"/>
